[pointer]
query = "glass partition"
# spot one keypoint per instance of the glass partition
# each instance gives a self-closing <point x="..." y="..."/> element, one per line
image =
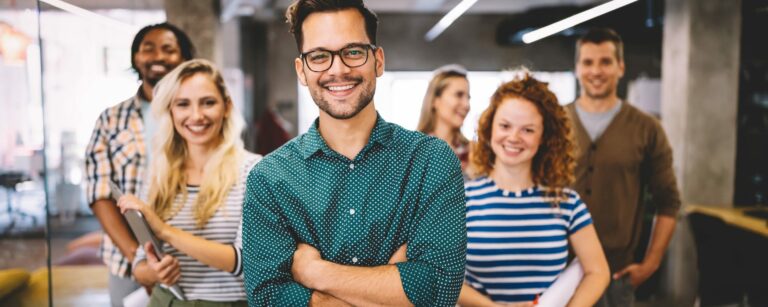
<point x="24" y="250"/>
<point x="60" y="67"/>
<point x="87" y="68"/>
<point x="399" y="95"/>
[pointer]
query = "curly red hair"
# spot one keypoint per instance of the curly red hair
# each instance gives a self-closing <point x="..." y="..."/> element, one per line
<point x="554" y="162"/>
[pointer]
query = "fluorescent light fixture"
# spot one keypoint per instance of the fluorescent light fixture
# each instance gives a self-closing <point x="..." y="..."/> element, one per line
<point x="448" y="19"/>
<point x="561" y="25"/>
<point x="65" y="6"/>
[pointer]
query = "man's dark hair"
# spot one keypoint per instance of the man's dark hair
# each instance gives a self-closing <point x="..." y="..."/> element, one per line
<point x="299" y="10"/>
<point x="185" y="44"/>
<point x="598" y="36"/>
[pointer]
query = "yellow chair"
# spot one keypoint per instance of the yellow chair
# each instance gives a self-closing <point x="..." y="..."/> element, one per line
<point x="73" y="285"/>
<point x="11" y="280"/>
<point x="33" y="291"/>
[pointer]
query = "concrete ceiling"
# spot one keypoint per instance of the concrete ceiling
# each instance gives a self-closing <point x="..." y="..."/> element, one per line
<point x="246" y="7"/>
<point x="443" y="6"/>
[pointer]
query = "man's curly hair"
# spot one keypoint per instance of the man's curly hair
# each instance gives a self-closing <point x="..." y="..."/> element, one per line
<point x="554" y="162"/>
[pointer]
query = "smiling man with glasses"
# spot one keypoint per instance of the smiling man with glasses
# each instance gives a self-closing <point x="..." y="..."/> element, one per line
<point x="357" y="211"/>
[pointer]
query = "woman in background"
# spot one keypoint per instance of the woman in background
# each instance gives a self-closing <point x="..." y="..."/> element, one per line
<point x="196" y="190"/>
<point x="521" y="217"/>
<point x="445" y="107"/>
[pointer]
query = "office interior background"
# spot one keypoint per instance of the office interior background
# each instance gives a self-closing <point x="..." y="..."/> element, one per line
<point x="700" y="66"/>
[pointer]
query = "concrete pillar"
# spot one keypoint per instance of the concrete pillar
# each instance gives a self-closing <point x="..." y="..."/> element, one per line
<point x="699" y="107"/>
<point x="200" y="20"/>
<point x="700" y="95"/>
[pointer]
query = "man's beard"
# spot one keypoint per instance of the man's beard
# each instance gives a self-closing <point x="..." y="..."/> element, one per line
<point x="604" y="94"/>
<point x="152" y="81"/>
<point x="364" y="99"/>
<point x="598" y="94"/>
<point x="155" y="79"/>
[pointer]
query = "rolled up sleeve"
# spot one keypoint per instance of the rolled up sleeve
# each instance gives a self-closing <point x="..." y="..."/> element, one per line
<point x="434" y="272"/>
<point x="662" y="183"/>
<point x="97" y="165"/>
<point x="268" y="247"/>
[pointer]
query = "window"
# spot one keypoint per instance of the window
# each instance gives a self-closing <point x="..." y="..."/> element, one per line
<point x="399" y="96"/>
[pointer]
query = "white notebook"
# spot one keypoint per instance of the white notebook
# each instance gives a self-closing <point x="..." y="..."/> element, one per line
<point x="138" y="298"/>
<point x="560" y="292"/>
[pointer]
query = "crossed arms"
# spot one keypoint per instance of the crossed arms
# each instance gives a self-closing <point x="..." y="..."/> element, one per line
<point x="342" y="285"/>
<point x="280" y="270"/>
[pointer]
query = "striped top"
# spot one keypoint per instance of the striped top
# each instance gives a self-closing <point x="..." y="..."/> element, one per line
<point x="200" y="281"/>
<point x="517" y="242"/>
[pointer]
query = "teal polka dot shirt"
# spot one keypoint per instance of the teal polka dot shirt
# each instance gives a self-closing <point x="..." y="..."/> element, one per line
<point x="402" y="188"/>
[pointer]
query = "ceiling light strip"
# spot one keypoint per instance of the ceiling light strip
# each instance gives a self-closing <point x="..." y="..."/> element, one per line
<point x="448" y="19"/>
<point x="569" y="22"/>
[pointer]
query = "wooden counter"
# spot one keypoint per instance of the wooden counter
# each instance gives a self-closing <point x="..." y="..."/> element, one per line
<point x="733" y="216"/>
<point x="79" y="285"/>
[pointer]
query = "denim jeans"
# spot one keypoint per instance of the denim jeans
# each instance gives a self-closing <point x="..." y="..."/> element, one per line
<point x="619" y="293"/>
<point x="119" y="288"/>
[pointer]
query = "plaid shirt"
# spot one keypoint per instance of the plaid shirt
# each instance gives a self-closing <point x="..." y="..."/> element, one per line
<point x="116" y="152"/>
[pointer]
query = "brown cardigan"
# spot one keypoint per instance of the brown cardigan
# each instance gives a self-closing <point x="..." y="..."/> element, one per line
<point x="632" y="154"/>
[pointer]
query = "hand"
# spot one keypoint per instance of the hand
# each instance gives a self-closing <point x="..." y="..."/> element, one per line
<point x="130" y="202"/>
<point x="638" y="273"/>
<point x="144" y="275"/>
<point x="399" y="255"/>
<point x="305" y="264"/>
<point x="167" y="269"/>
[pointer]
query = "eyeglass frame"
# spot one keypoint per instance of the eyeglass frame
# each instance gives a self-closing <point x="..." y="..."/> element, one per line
<point x="368" y="47"/>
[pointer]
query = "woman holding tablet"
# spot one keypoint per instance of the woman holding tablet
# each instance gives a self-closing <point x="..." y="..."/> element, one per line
<point x="521" y="217"/>
<point x="196" y="190"/>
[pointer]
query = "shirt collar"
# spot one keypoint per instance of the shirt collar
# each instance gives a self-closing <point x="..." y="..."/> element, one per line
<point x="137" y="100"/>
<point x="313" y="142"/>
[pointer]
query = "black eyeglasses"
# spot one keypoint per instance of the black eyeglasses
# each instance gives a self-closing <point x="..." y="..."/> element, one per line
<point x="354" y="55"/>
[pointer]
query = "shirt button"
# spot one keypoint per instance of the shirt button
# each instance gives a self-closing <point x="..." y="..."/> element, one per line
<point x="354" y="259"/>
<point x="591" y="169"/>
<point x="589" y="191"/>
<point x="352" y="211"/>
<point x="351" y="166"/>
<point x="593" y="147"/>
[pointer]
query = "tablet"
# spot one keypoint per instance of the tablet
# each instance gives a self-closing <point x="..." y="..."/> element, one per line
<point x="144" y="234"/>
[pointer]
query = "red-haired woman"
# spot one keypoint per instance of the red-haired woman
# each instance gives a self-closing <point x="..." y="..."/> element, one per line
<point x="521" y="217"/>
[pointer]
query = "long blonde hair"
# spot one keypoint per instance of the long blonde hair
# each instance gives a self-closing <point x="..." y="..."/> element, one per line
<point x="168" y="176"/>
<point x="437" y="85"/>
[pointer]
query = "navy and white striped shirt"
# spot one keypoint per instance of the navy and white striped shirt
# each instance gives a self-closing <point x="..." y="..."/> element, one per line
<point x="517" y="242"/>
<point x="200" y="281"/>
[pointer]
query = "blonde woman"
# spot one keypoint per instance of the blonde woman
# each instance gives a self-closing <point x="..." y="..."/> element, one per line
<point x="445" y="107"/>
<point x="196" y="189"/>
